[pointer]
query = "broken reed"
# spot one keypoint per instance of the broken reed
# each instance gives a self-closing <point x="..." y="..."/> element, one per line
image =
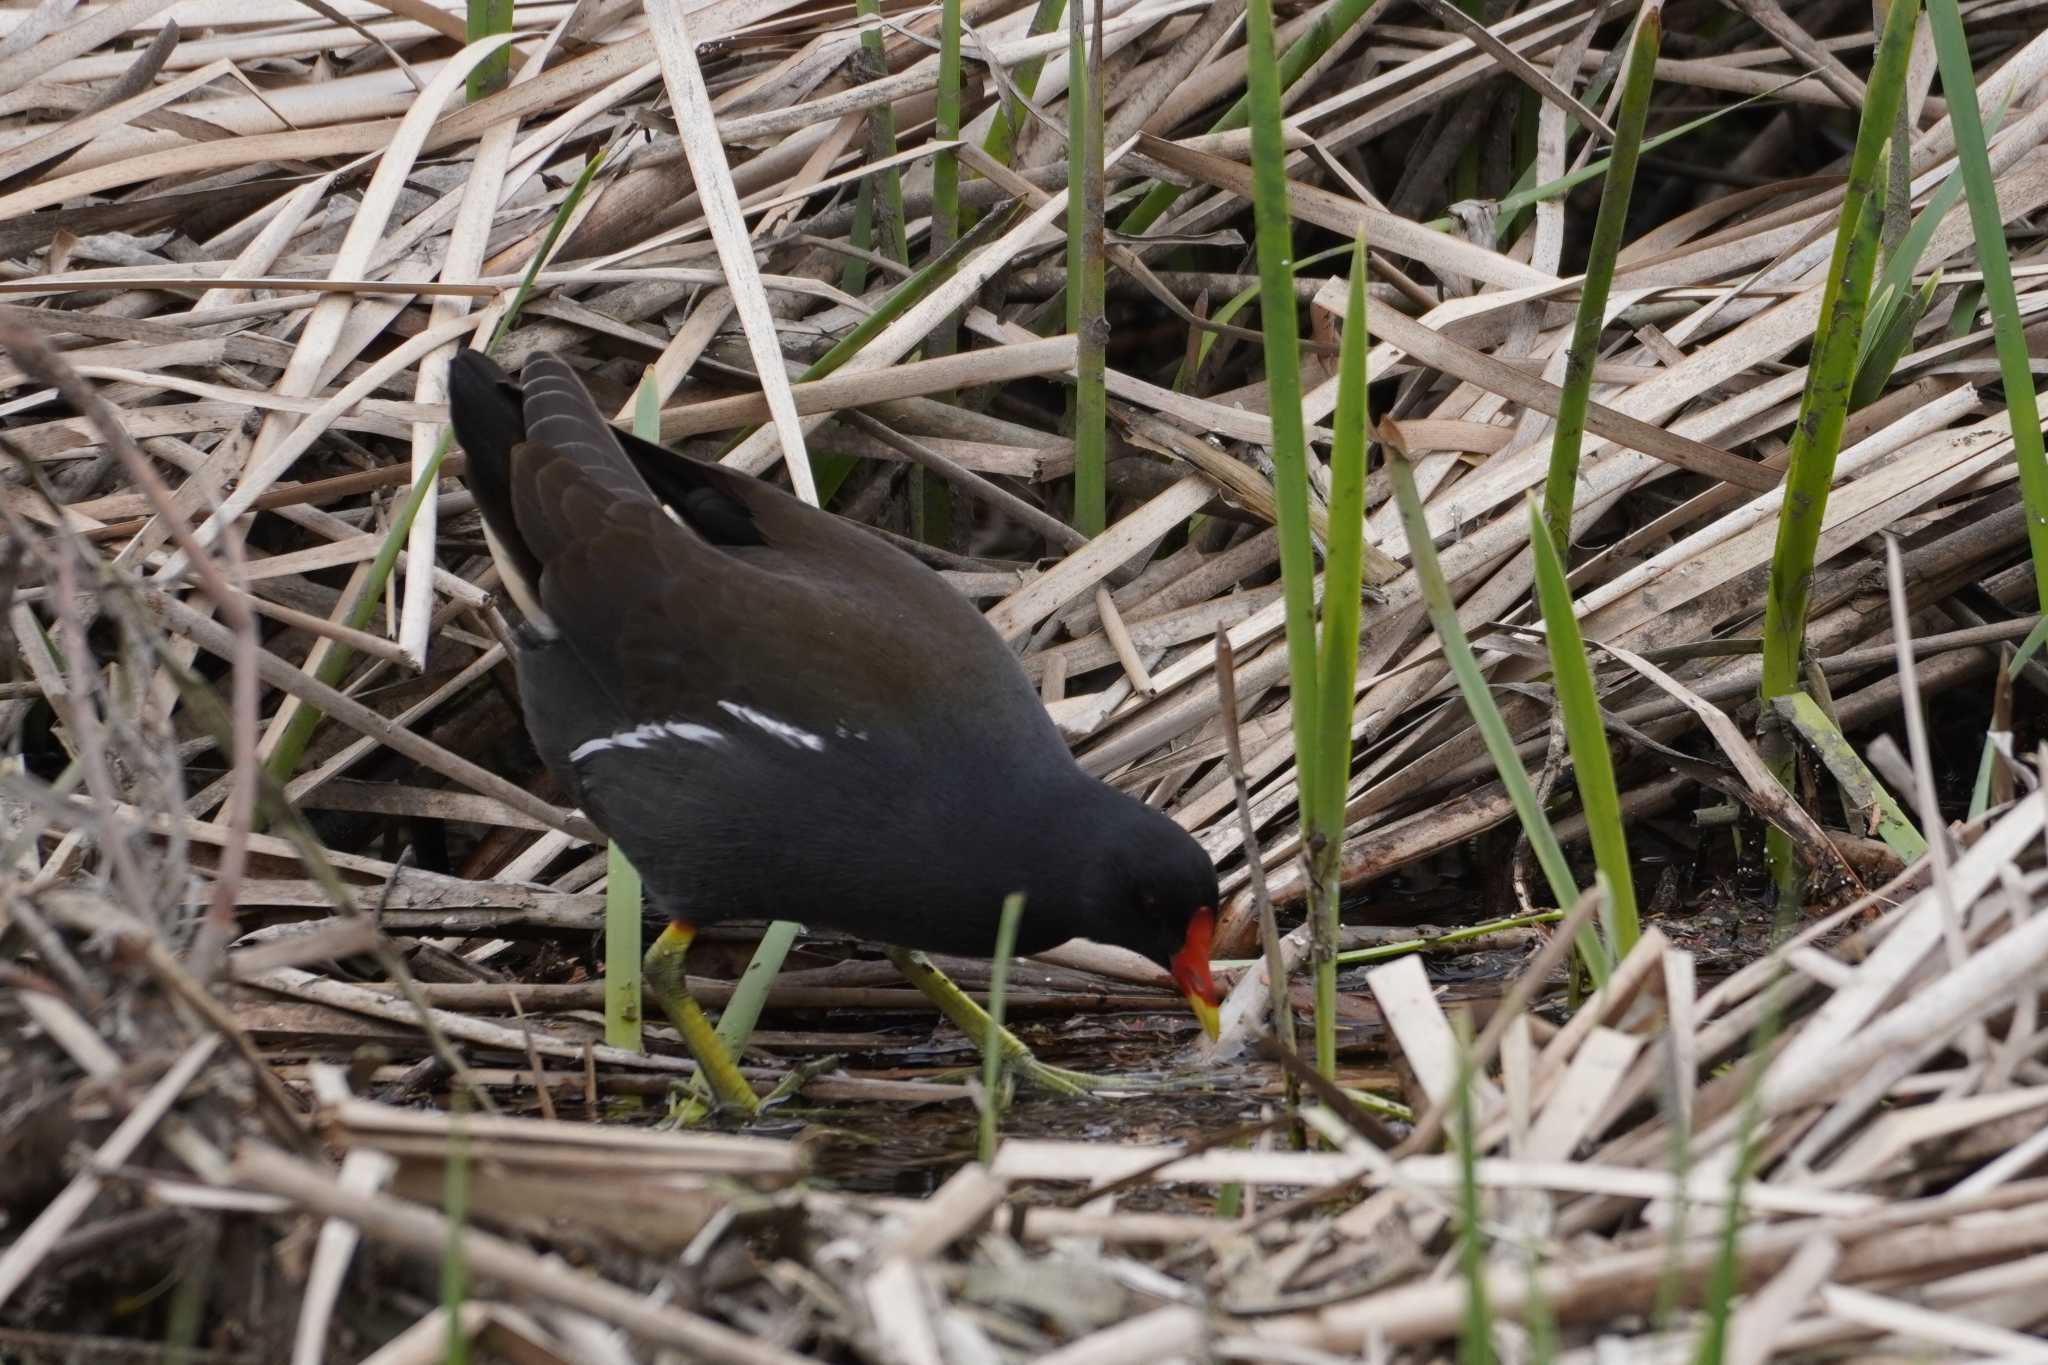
<point x="1817" y="437"/>
<point x="1321" y="674"/>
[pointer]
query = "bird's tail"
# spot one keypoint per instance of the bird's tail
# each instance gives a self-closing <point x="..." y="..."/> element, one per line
<point x="490" y="422"/>
<point x="512" y="433"/>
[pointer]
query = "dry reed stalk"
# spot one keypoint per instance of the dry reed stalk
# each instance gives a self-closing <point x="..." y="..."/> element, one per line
<point x="266" y="232"/>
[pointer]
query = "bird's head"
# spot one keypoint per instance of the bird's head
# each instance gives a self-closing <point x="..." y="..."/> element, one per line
<point x="1170" y="908"/>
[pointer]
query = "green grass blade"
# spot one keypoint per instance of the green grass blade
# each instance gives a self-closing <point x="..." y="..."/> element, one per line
<point x="750" y="995"/>
<point x="1724" y="1277"/>
<point x="1887" y="340"/>
<point x="1980" y="788"/>
<point x="1206" y="340"/>
<point x="832" y="471"/>
<point x="1569" y="431"/>
<point x="1279" y="322"/>
<point x="622" y="949"/>
<point x="1001" y="143"/>
<point x="1959" y="85"/>
<point x="853" y="276"/>
<point x="486" y="19"/>
<point x="1524" y="197"/>
<point x="1086" y="301"/>
<point x="1592" y="763"/>
<point x="298" y="732"/>
<point x="2028" y="647"/>
<point x="1475" y="1336"/>
<point x="1818" y="435"/>
<point x="1962" y="315"/>
<point x="1817" y="438"/>
<point x="1500" y="745"/>
<point x="992" y="1045"/>
<point x="881" y="194"/>
<point x="647" y="409"/>
<point x="1344" y="567"/>
<point x="455" y="1251"/>
<point x="1904" y="260"/>
<point x="946" y="128"/>
<point x="1303" y="53"/>
<point x="1321" y="827"/>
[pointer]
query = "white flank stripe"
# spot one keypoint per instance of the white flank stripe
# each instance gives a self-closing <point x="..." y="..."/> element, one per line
<point x="640" y="736"/>
<point x="789" y="734"/>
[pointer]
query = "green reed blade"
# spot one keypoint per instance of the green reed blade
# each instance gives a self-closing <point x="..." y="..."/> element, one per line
<point x="1887" y="339"/>
<point x="1343" y="570"/>
<point x="1817" y="439"/>
<point x="1279" y="322"/>
<point x="881" y="193"/>
<point x="1206" y="340"/>
<point x="1493" y="729"/>
<point x="1592" y="763"/>
<point x="1303" y="53"/>
<point x="992" y="1042"/>
<point x="1003" y="130"/>
<point x="1086" y="319"/>
<point x="1475" y="1335"/>
<point x="487" y="19"/>
<point x="1569" y="431"/>
<point x="1959" y="85"/>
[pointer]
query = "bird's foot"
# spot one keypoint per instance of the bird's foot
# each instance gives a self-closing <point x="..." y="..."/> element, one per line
<point x="663" y="974"/>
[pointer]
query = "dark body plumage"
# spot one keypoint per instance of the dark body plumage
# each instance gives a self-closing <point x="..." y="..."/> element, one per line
<point x="778" y="715"/>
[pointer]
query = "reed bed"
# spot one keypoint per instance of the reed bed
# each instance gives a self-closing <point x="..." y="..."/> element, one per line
<point x="308" y="1052"/>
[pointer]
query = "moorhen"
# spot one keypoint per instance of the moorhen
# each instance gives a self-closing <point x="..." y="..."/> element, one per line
<point x="779" y="715"/>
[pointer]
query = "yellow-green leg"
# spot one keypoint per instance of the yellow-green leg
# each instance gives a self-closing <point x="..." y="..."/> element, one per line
<point x="662" y="972"/>
<point x="972" y="1020"/>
